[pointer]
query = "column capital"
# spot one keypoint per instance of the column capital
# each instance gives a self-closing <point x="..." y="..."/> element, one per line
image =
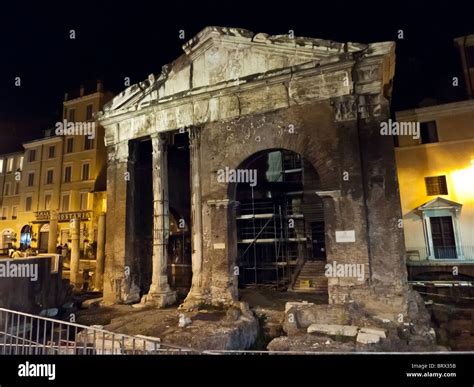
<point x="118" y="153"/>
<point x="158" y="143"/>
<point x="194" y="133"/>
<point x="222" y="203"/>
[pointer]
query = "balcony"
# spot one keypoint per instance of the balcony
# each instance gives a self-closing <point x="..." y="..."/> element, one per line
<point x="421" y="255"/>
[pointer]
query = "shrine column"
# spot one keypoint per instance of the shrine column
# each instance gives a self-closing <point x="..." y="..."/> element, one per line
<point x="160" y="293"/>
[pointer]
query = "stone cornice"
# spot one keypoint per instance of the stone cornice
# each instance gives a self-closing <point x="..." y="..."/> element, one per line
<point x="229" y="88"/>
<point x="310" y="48"/>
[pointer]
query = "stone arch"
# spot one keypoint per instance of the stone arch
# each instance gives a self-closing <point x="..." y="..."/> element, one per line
<point x="245" y="161"/>
<point x="4" y="241"/>
<point x="230" y="143"/>
<point x="26" y="234"/>
<point x="281" y="223"/>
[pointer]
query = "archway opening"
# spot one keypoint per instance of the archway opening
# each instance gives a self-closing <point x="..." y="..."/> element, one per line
<point x="7" y="241"/>
<point x="279" y="222"/>
<point x="25" y="237"/>
<point x="43" y="239"/>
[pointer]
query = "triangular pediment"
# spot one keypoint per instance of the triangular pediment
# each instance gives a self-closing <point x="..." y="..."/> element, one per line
<point x="219" y="57"/>
<point x="439" y="203"/>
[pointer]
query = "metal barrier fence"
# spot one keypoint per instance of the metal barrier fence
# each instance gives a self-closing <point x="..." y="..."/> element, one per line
<point x="27" y="334"/>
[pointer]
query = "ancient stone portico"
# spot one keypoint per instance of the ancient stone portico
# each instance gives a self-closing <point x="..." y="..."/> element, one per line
<point x="235" y="94"/>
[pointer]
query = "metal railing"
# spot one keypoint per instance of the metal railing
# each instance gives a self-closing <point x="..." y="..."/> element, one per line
<point x="27" y="334"/>
<point x="421" y="253"/>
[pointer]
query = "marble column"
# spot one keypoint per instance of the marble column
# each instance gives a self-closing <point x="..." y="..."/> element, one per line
<point x="74" y="229"/>
<point x="99" y="269"/>
<point x="196" y="293"/>
<point x="160" y="293"/>
<point x="53" y="232"/>
<point x="118" y="177"/>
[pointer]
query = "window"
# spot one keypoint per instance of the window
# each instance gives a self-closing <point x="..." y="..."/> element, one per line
<point x="89" y="112"/>
<point x="1" y="165"/>
<point x="429" y="132"/>
<point x="85" y="171"/>
<point x="51" y="151"/>
<point x="65" y="203"/>
<point x="88" y="143"/>
<point x="6" y="190"/>
<point x="67" y="174"/>
<point x="70" y="145"/>
<point x="4" y="213"/>
<point x="49" y="176"/>
<point x="14" y="212"/>
<point x="32" y="155"/>
<point x="436" y="185"/>
<point x="17" y="188"/>
<point x="20" y="163"/>
<point x="442" y="235"/>
<point x="84" y="201"/>
<point x="47" y="201"/>
<point x="28" y="203"/>
<point x="31" y="179"/>
<point x="72" y="115"/>
<point x="10" y="164"/>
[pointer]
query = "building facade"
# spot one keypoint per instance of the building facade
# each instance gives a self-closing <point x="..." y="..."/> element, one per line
<point x="11" y="166"/>
<point x="436" y="175"/>
<point x="57" y="178"/>
<point x="274" y="144"/>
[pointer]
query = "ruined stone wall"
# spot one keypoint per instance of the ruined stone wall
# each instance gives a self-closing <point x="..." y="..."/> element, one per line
<point x="325" y="103"/>
<point x="331" y="148"/>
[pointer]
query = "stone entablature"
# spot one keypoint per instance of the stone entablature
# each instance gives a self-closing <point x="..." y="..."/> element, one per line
<point x="281" y="74"/>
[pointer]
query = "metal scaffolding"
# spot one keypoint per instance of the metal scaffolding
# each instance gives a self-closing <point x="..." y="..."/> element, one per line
<point x="274" y="232"/>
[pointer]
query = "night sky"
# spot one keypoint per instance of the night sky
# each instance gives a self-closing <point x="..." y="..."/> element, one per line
<point x="136" y="39"/>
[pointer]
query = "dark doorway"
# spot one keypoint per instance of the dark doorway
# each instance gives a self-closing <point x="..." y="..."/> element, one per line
<point x="25" y="237"/>
<point x="141" y="212"/>
<point x="442" y="234"/>
<point x="179" y="243"/>
<point x="319" y="240"/>
<point x="43" y="242"/>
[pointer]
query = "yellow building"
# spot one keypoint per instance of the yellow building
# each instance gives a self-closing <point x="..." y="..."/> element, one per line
<point x="11" y="166"/>
<point x="63" y="176"/>
<point x="436" y="177"/>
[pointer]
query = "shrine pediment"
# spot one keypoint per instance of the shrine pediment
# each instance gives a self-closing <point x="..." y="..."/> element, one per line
<point x="438" y="204"/>
<point x="219" y="57"/>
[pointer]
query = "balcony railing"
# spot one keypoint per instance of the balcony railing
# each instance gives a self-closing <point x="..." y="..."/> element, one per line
<point x="440" y="253"/>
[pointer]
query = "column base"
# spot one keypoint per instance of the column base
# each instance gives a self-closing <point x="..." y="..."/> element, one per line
<point x="161" y="299"/>
<point x="192" y="301"/>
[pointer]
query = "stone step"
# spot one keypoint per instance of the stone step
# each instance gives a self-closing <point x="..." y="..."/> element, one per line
<point x="310" y="290"/>
<point x="313" y="282"/>
<point x="313" y="286"/>
<point x="313" y="272"/>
